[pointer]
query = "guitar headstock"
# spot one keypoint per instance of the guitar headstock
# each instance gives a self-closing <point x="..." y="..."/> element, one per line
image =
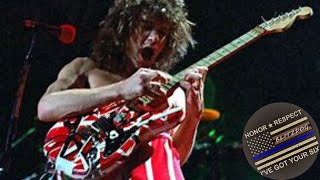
<point x="283" y="22"/>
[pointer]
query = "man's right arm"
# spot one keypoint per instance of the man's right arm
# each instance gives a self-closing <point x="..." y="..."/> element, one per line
<point x="60" y="101"/>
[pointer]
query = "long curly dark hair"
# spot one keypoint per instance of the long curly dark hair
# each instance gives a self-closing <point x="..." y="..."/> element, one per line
<point x="124" y="18"/>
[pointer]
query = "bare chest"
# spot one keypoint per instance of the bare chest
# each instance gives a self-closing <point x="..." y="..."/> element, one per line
<point x="98" y="77"/>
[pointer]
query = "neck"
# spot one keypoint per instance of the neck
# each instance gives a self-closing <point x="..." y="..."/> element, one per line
<point x="126" y="71"/>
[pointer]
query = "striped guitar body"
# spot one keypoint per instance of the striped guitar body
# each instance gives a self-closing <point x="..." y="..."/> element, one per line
<point x="95" y="144"/>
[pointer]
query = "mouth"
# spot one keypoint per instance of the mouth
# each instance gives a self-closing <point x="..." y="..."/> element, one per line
<point x="147" y="53"/>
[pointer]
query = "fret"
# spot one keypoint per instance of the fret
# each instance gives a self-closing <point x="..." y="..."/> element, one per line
<point x="236" y="43"/>
<point x="231" y="47"/>
<point x="171" y="83"/>
<point x="215" y="56"/>
<point x="145" y="99"/>
<point x="195" y="65"/>
<point x="148" y="99"/>
<point x="201" y="62"/>
<point x="245" y="38"/>
<point x="258" y="30"/>
<point x="204" y="62"/>
<point x="241" y="41"/>
<point x="224" y="51"/>
<point x="249" y="35"/>
<point x="254" y="32"/>
<point x="166" y="86"/>
<point x="210" y="60"/>
<point x="174" y="80"/>
<point x="218" y="53"/>
<point x="179" y="76"/>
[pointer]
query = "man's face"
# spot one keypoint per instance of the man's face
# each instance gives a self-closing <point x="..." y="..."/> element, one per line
<point x="145" y="45"/>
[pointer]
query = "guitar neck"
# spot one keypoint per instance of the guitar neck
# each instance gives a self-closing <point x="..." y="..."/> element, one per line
<point x="212" y="59"/>
<point x="219" y="55"/>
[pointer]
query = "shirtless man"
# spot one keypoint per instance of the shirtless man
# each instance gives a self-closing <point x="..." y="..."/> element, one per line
<point x="138" y="41"/>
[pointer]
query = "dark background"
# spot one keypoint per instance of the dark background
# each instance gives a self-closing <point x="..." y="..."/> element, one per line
<point x="281" y="67"/>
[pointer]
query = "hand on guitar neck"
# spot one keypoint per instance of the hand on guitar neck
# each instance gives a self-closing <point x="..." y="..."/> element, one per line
<point x="144" y="90"/>
<point x="193" y="84"/>
<point x="149" y="83"/>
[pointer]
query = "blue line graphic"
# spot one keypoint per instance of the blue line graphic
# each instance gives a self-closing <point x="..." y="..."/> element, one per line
<point x="282" y="146"/>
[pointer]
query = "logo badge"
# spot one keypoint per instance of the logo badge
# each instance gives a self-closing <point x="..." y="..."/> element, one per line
<point x="281" y="141"/>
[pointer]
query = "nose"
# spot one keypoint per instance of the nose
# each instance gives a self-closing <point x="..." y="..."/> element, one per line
<point x="152" y="37"/>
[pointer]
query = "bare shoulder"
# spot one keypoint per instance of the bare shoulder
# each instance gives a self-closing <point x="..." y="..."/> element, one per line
<point x="72" y="75"/>
<point x="78" y="66"/>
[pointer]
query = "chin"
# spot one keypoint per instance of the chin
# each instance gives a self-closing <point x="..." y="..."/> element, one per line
<point x="145" y="64"/>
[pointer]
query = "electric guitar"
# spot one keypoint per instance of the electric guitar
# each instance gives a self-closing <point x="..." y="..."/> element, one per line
<point x="96" y="143"/>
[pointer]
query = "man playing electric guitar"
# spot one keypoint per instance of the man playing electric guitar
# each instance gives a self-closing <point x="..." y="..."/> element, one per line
<point x="138" y="41"/>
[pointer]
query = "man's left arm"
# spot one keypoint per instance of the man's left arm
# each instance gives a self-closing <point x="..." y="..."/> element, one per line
<point x="184" y="135"/>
